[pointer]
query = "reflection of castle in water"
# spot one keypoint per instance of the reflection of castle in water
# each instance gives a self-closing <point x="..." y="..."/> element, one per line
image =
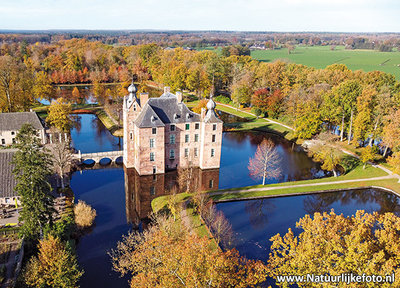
<point x="141" y="190"/>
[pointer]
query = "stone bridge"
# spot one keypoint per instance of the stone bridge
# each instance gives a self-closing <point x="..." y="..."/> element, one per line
<point x="96" y="157"/>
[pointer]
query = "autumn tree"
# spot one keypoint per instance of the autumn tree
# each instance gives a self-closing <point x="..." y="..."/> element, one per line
<point x="54" y="267"/>
<point x="367" y="155"/>
<point x="331" y="244"/>
<point x="59" y="115"/>
<point x="42" y="88"/>
<point x="265" y="163"/>
<point x="32" y="172"/>
<point x="202" y="104"/>
<point x="84" y="215"/>
<point x="394" y="162"/>
<point x="62" y="158"/>
<point x="391" y="131"/>
<point x="363" y="120"/>
<point x="328" y="155"/>
<point x="167" y="255"/>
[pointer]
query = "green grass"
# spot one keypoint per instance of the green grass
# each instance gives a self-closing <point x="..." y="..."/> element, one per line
<point x="160" y="203"/>
<point x="114" y="129"/>
<point x="357" y="173"/>
<point x="321" y="56"/>
<point x="388" y="183"/>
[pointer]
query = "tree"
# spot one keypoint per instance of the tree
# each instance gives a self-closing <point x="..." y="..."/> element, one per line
<point x="367" y="154"/>
<point x="391" y="131"/>
<point x="76" y="95"/>
<point x="363" y="120"/>
<point x="42" y="88"/>
<point x="328" y="155"/>
<point x="202" y="104"/>
<point x="32" y="171"/>
<point x="265" y="163"/>
<point x="394" y="162"/>
<point x="59" y="116"/>
<point x="62" y="158"/>
<point x="54" y="267"/>
<point x="331" y="244"/>
<point x="84" y="215"/>
<point x="167" y="255"/>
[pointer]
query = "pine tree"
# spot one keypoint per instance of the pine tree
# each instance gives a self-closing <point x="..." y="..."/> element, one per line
<point x="32" y="170"/>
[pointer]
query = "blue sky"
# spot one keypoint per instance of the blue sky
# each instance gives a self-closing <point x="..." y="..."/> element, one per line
<point x="244" y="15"/>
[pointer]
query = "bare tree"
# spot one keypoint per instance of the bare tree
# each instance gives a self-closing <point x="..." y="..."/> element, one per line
<point x="265" y="163"/>
<point x="222" y="230"/>
<point x="62" y="158"/>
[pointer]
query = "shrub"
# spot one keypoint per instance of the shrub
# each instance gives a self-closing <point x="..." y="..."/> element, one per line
<point x="84" y="215"/>
<point x="222" y="99"/>
<point x="256" y="111"/>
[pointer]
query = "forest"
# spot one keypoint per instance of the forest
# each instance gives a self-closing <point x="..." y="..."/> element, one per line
<point x="364" y="105"/>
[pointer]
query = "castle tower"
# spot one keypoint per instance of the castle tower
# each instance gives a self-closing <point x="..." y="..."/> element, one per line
<point x="131" y="109"/>
<point x="211" y="137"/>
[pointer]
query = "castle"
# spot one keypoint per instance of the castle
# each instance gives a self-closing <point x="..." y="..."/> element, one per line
<point x="162" y="134"/>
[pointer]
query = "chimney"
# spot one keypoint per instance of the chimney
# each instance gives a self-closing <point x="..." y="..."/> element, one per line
<point x="167" y="89"/>
<point x="144" y="97"/>
<point x="203" y="114"/>
<point x="179" y="96"/>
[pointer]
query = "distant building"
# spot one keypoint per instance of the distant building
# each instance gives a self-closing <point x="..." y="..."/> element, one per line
<point x="11" y="123"/>
<point x="161" y="134"/>
<point x="7" y="180"/>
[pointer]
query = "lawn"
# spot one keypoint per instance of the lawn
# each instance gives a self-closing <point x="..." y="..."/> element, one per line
<point x="322" y="56"/>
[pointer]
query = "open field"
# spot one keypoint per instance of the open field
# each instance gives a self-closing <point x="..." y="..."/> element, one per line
<point x="321" y="56"/>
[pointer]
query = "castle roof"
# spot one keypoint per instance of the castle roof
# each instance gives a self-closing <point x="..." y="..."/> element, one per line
<point x="7" y="179"/>
<point x="148" y="118"/>
<point x="15" y="120"/>
<point x="167" y="109"/>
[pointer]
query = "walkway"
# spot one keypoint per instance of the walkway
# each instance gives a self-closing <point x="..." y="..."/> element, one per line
<point x="304" y="185"/>
<point x="266" y="119"/>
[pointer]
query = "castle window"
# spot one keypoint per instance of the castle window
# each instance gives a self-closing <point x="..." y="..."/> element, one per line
<point x="212" y="152"/>
<point x="151" y="156"/>
<point x="196" y="137"/>
<point x="187" y="126"/>
<point x="186" y="152"/>
<point x="187" y="138"/>
<point x="134" y="107"/>
<point x="153" y="130"/>
<point x="3" y="141"/>
<point x="211" y="183"/>
<point x="154" y="169"/>
<point x="131" y="135"/>
<point x="213" y="138"/>
<point x="152" y="142"/>
<point x="172" y="127"/>
<point x="171" y="139"/>
<point x="214" y="127"/>
<point x="152" y="190"/>
<point x="13" y="140"/>
<point x="195" y="152"/>
<point x="196" y="126"/>
<point x="12" y="133"/>
<point x="172" y="154"/>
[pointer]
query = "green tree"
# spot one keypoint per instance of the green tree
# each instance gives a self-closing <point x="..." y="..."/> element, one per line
<point x="32" y="170"/>
<point x="59" y="115"/>
<point x="54" y="267"/>
<point x="308" y="120"/>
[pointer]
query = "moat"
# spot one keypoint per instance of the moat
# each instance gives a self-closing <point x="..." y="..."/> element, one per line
<point x="122" y="198"/>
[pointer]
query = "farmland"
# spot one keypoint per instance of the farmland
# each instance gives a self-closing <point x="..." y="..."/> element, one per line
<point x="322" y="56"/>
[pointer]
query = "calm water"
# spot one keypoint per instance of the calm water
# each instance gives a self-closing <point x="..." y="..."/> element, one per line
<point x="90" y="135"/>
<point x="238" y="147"/>
<point x="254" y="222"/>
<point x="122" y="198"/>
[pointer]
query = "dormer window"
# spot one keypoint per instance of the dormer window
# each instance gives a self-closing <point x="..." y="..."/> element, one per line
<point x="176" y="116"/>
<point x="153" y="118"/>
<point x="188" y="116"/>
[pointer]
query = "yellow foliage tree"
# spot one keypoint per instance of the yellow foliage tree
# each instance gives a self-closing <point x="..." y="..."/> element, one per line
<point x="55" y="266"/>
<point x="332" y="244"/>
<point x="59" y="116"/>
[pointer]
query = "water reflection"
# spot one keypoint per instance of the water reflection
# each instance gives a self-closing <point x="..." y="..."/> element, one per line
<point x="254" y="222"/>
<point x="238" y="147"/>
<point x="90" y="135"/>
<point x="141" y="190"/>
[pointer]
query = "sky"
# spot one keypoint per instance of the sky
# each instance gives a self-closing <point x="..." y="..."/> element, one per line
<point x="233" y="15"/>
